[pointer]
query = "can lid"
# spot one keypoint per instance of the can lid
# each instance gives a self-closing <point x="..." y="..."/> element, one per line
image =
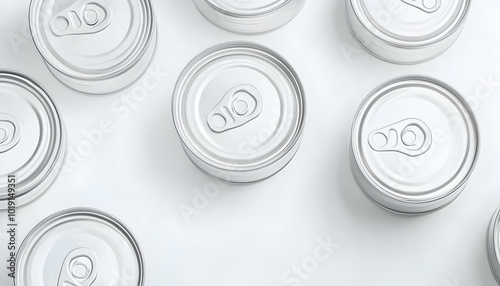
<point x="92" y="39"/>
<point x="32" y="141"/>
<point x="239" y="106"/>
<point x="247" y="8"/>
<point x="80" y="247"/>
<point x="411" y="22"/>
<point x="415" y="139"/>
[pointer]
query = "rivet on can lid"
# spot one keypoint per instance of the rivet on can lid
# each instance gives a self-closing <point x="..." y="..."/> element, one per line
<point x="10" y="132"/>
<point x="429" y="6"/>
<point x="91" y="17"/>
<point x="3" y="136"/>
<point x="79" y="268"/>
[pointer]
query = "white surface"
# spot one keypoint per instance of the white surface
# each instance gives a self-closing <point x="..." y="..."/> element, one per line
<point x="253" y="234"/>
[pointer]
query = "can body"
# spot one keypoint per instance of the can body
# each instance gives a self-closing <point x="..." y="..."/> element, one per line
<point x="414" y="144"/>
<point x="95" y="47"/>
<point x="239" y="109"/>
<point x="406" y="31"/>
<point x="80" y="247"/>
<point x="32" y="139"/>
<point x="250" y="17"/>
<point x="493" y="245"/>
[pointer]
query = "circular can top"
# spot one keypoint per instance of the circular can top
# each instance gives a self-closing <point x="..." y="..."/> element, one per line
<point x="32" y="140"/>
<point x="411" y="22"/>
<point x="92" y="40"/>
<point x="249" y="17"/>
<point x="80" y="247"/>
<point x="239" y="106"/>
<point x="415" y="139"/>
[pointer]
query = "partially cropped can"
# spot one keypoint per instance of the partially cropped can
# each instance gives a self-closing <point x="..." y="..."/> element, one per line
<point x="80" y="247"/>
<point x="32" y="140"/>
<point x="414" y="144"/>
<point x="493" y="245"/>
<point x="98" y="46"/>
<point x="239" y="110"/>
<point x="249" y="17"/>
<point x="406" y="31"/>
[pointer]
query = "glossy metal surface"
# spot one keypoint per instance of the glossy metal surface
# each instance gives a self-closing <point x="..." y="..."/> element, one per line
<point x="249" y="17"/>
<point x="95" y="47"/>
<point x="254" y="234"/>
<point x="406" y="31"/>
<point x="32" y="138"/>
<point x="493" y="245"/>
<point x="80" y="247"/>
<point x="239" y="109"/>
<point x="414" y="144"/>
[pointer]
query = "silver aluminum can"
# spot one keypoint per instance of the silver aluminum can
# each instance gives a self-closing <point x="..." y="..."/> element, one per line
<point x="98" y="46"/>
<point x="239" y="110"/>
<point x="32" y="139"/>
<point x="414" y="144"/>
<point x="493" y="245"/>
<point x="406" y="31"/>
<point x="80" y="247"/>
<point x="249" y="17"/>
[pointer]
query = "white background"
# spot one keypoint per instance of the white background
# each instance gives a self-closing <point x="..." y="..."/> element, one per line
<point x="253" y="234"/>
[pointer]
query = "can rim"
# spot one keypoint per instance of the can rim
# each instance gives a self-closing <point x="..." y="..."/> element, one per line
<point x="362" y="166"/>
<point x="178" y="94"/>
<point x="493" y="248"/>
<point x="39" y="229"/>
<point x="258" y="13"/>
<point x="106" y="73"/>
<point x="59" y="151"/>
<point x="392" y="41"/>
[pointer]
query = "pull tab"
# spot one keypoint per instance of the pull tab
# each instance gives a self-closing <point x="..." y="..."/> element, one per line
<point x="79" y="268"/>
<point x="10" y="132"/>
<point x="410" y="137"/>
<point x="239" y="105"/>
<point x="428" y="6"/>
<point x="82" y="17"/>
